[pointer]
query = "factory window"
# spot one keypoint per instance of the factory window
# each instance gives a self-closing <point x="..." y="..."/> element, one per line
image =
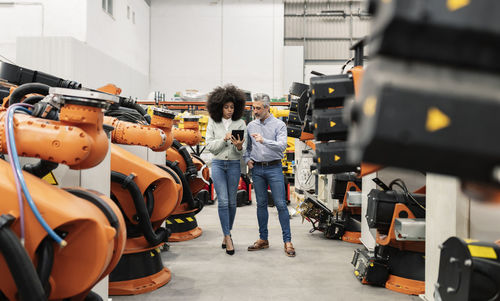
<point x="107" y="6"/>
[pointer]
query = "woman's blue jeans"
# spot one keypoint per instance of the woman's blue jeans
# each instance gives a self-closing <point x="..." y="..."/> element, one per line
<point x="272" y="175"/>
<point x="226" y="177"/>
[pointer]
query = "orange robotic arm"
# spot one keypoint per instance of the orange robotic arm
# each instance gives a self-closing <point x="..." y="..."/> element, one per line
<point x="198" y="183"/>
<point x="136" y="183"/>
<point x="135" y="134"/>
<point x="193" y="174"/>
<point x="165" y="187"/>
<point x="91" y="223"/>
<point x="174" y="155"/>
<point x="190" y="134"/>
<point x="77" y="140"/>
<point x="164" y="120"/>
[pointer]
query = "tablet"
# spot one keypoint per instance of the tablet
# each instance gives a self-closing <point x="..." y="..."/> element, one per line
<point x="238" y="134"/>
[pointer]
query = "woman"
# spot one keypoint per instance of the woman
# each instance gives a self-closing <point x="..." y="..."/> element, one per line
<point x="225" y="106"/>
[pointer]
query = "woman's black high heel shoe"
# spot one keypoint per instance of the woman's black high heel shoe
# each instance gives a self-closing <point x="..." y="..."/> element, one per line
<point x="223" y="245"/>
<point x="230" y="252"/>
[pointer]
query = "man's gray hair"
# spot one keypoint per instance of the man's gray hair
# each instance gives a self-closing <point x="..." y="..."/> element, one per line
<point x="262" y="97"/>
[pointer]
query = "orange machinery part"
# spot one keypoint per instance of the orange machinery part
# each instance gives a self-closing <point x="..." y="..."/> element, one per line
<point x="5" y="100"/>
<point x="184" y="236"/>
<point x="197" y="184"/>
<point x="167" y="193"/>
<point x="368" y="168"/>
<point x="159" y="122"/>
<point x="306" y="136"/>
<point x="405" y="286"/>
<point x="173" y="155"/>
<point x="135" y="134"/>
<point x="352" y="237"/>
<point x="395" y="283"/>
<point x="94" y="246"/>
<point x="421" y="190"/>
<point x="144" y="284"/>
<point x="111" y="89"/>
<point x="390" y="238"/>
<point x="357" y="76"/>
<point x="311" y="144"/>
<point x="77" y="140"/>
<point x="345" y="206"/>
<point x="165" y="124"/>
<point x="140" y="285"/>
<point x="481" y="191"/>
<point x="190" y="134"/>
<point x="183" y="209"/>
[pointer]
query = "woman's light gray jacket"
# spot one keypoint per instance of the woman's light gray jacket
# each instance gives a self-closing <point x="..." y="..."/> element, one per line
<point x="224" y="150"/>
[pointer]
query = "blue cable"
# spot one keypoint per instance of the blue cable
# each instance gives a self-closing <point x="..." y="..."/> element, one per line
<point x="20" y="176"/>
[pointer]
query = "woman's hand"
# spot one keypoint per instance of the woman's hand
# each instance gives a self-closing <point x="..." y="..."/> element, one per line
<point x="238" y="143"/>
<point x="228" y="136"/>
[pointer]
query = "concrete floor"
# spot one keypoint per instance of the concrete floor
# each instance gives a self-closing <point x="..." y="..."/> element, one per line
<point x="201" y="270"/>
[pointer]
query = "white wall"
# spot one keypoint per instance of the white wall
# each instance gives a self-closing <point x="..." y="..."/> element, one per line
<point x="253" y="45"/>
<point x="199" y="44"/>
<point x="69" y="58"/>
<point x="117" y="36"/>
<point x="186" y="49"/>
<point x="104" y="49"/>
<point x="293" y="66"/>
<point x="39" y="18"/>
<point x="327" y="69"/>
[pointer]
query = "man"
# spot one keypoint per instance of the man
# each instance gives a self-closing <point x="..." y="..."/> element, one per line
<point x="267" y="140"/>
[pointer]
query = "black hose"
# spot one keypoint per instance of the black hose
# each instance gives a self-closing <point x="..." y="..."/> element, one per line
<point x="171" y="172"/>
<point x="187" y="195"/>
<point x="176" y="144"/>
<point x="20" y="266"/>
<point x="150" y="200"/>
<point x="317" y="73"/>
<point x="93" y="297"/>
<point x="191" y="170"/>
<point x="23" y="90"/>
<point x="45" y="253"/>
<point x="130" y="103"/>
<point x="40" y="169"/>
<point x="153" y="237"/>
<point x="45" y="110"/>
<point x="199" y="158"/>
<point x="141" y="110"/>
<point x="33" y="99"/>
<point x="133" y="230"/>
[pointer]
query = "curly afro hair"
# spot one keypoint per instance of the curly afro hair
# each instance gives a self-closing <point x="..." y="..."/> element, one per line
<point x="219" y="96"/>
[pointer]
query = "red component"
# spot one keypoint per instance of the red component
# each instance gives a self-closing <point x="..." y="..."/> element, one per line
<point x="250" y="191"/>
<point x="242" y="185"/>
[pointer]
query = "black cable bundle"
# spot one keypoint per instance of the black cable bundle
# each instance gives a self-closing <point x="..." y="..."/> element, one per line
<point x="126" y="114"/>
<point x="129" y="110"/>
<point x="19" y="263"/>
<point x="398" y="182"/>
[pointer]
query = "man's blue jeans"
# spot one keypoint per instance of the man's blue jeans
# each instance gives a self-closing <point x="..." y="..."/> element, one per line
<point x="226" y="176"/>
<point x="272" y="175"/>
